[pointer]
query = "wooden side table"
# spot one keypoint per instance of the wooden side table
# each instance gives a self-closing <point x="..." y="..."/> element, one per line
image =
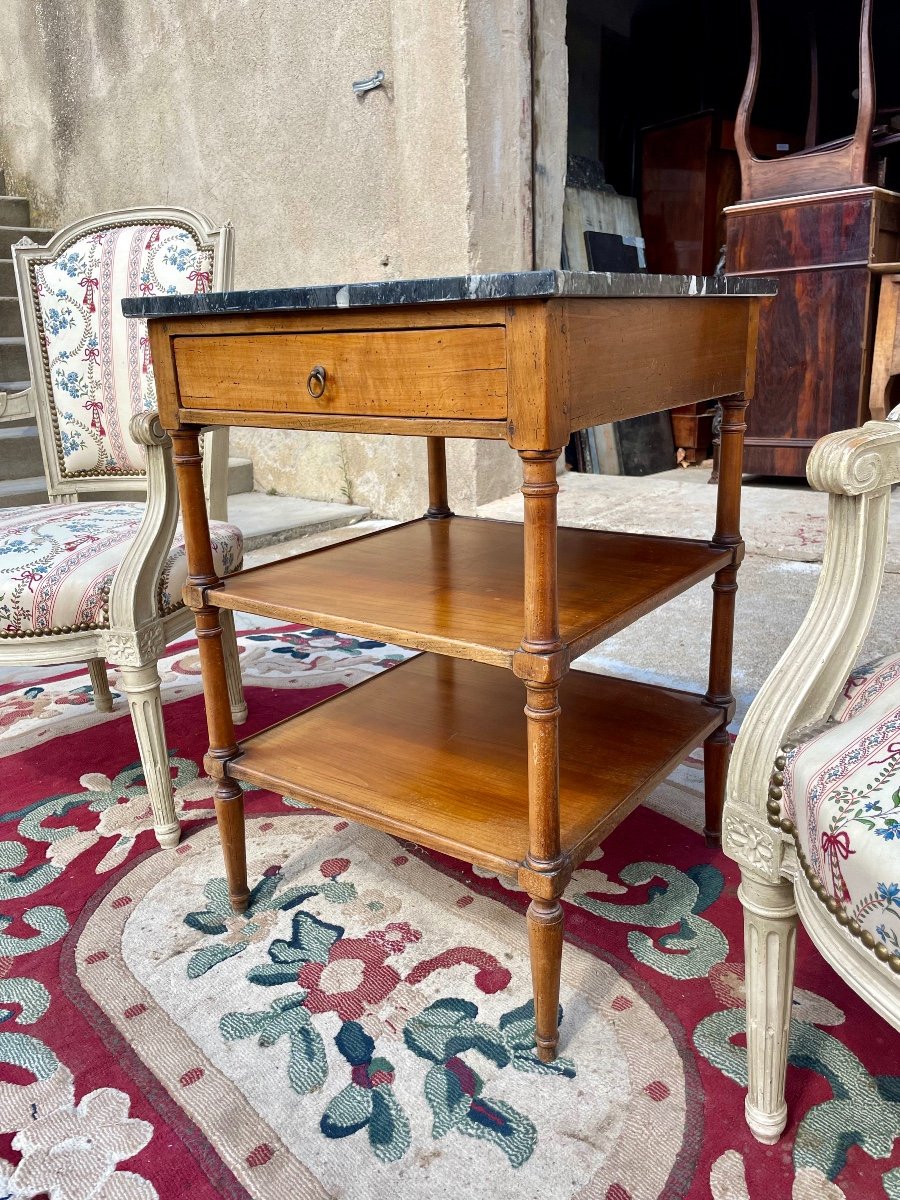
<point x="436" y="750"/>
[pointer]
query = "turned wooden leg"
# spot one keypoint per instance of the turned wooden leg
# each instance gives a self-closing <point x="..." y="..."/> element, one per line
<point x="716" y="756"/>
<point x="229" y="801"/>
<point x="141" y="686"/>
<point x="438" y="506"/>
<point x="545" y="867"/>
<point x="545" y="940"/>
<point x="210" y="642"/>
<point x="717" y="747"/>
<point x="103" y="701"/>
<point x="233" y="667"/>
<point x="770" y="938"/>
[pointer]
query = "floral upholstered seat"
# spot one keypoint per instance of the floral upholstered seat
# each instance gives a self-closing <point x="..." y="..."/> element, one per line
<point x="842" y="794"/>
<point x="57" y="563"/>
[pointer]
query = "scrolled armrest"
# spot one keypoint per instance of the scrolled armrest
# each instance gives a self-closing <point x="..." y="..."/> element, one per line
<point x="856" y="461"/>
<point x="146" y="428"/>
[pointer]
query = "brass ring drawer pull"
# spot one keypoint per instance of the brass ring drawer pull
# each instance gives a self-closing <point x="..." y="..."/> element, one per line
<point x="315" y="383"/>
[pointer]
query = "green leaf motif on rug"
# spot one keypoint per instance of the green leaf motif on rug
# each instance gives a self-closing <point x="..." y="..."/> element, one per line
<point x="864" y="1111"/>
<point x="29" y="1053"/>
<point x="446" y="1030"/>
<point x="13" y="886"/>
<point x="51" y="924"/>
<point x="368" y="1101"/>
<point x="219" y="918"/>
<point x="28" y="995"/>
<point x="307" y="1064"/>
<point x="696" y="946"/>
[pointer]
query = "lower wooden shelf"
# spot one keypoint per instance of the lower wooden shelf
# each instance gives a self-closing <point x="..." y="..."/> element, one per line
<point x="434" y="750"/>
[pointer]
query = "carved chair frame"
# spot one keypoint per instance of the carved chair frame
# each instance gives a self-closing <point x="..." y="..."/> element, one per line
<point x="857" y="468"/>
<point x="138" y="631"/>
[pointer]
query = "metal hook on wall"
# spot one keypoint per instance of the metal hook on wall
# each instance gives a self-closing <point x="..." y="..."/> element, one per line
<point x="368" y="85"/>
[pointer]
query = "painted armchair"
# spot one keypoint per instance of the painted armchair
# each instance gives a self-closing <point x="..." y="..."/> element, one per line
<point x="95" y="576"/>
<point x="812" y="810"/>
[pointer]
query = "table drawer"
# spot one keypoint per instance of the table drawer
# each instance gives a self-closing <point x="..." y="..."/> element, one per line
<point x="453" y="372"/>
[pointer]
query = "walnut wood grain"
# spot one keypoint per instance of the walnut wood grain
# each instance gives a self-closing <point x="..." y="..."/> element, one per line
<point x="455" y="372"/>
<point x="435" y="750"/>
<point x="816" y="337"/>
<point x="456" y="586"/>
<point x="328" y="423"/>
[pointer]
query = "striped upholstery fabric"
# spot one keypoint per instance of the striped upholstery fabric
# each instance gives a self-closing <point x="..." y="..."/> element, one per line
<point x="98" y="363"/>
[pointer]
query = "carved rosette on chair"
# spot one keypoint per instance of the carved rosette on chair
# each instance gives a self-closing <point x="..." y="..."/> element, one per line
<point x="89" y="578"/>
<point x="810" y="813"/>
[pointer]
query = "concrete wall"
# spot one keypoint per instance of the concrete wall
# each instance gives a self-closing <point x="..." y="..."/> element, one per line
<point x="245" y="111"/>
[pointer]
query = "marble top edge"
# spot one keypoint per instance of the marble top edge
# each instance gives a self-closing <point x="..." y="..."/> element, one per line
<point x="513" y="285"/>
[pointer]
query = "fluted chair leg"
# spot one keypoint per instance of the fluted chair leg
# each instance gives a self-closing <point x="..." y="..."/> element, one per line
<point x="770" y="939"/>
<point x="103" y="700"/>
<point x="141" y="686"/>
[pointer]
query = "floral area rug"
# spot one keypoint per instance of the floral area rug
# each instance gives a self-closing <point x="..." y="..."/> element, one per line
<point x="365" y="1028"/>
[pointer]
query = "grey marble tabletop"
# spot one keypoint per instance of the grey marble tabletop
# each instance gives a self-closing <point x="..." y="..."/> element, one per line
<point x="508" y="285"/>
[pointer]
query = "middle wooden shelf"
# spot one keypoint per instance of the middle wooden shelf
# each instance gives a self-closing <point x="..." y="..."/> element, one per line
<point x="456" y="586"/>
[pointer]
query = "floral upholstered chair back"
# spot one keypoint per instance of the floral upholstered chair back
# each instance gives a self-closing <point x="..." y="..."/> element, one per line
<point x="91" y="367"/>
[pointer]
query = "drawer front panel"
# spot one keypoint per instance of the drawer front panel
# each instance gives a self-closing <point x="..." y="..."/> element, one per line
<point x="458" y="372"/>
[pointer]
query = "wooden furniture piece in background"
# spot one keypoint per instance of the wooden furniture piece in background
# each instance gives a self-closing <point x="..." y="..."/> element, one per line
<point x="835" y="166"/>
<point x="689" y="175"/>
<point x="816" y="338"/>
<point x="436" y="750"/>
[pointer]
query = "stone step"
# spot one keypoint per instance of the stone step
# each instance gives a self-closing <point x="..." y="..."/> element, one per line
<point x="15" y="210"/>
<point x="7" y="278"/>
<point x="13" y="358"/>
<point x="10" y="317"/>
<point x="266" y="520"/>
<point x="240" y="476"/>
<point x="2" y="182"/>
<point x="10" y="234"/>
<point x="14" y="385"/>
<point x="20" y="451"/>
<point x="16" y="492"/>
